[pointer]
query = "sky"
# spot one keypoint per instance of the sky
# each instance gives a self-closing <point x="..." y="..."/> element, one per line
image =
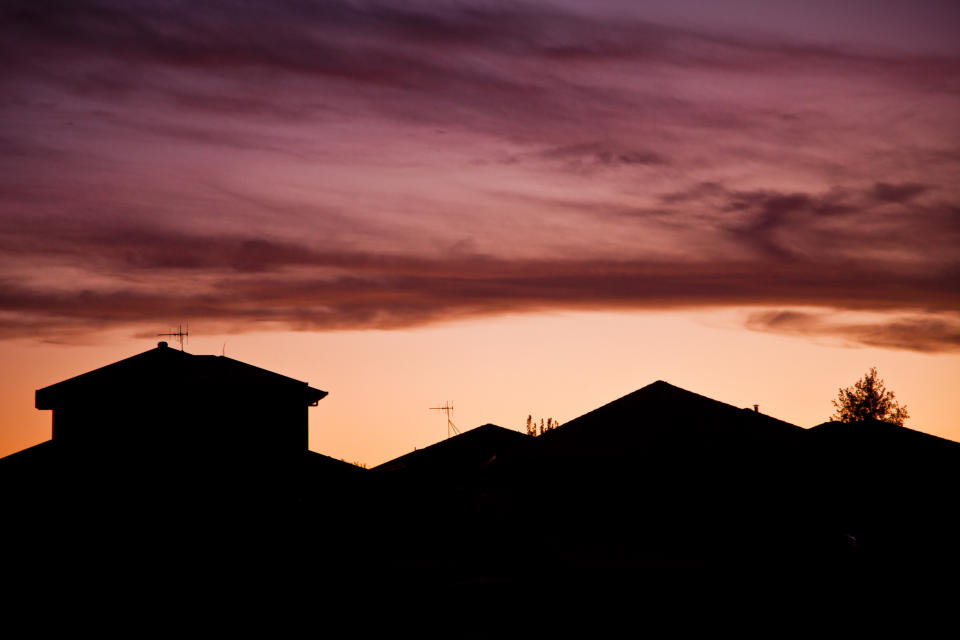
<point x="517" y="207"/>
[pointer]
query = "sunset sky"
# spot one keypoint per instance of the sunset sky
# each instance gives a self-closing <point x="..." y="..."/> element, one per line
<point x="517" y="207"/>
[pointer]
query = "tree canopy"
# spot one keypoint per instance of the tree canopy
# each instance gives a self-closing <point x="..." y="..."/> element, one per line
<point x="868" y="399"/>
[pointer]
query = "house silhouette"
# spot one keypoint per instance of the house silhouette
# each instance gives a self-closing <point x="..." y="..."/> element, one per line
<point x="166" y="425"/>
<point x="167" y="462"/>
<point x="175" y="405"/>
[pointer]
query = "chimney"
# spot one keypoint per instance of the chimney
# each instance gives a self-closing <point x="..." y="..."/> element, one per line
<point x="756" y="408"/>
<point x="163" y="345"/>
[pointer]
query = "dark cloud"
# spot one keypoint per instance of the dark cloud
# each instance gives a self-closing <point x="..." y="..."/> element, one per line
<point x="774" y="218"/>
<point x="301" y="36"/>
<point x="251" y="281"/>
<point x="242" y="280"/>
<point x="899" y="193"/>
<point x="926" y="334"/>
<point x="151" y="250"/>
<point x="520" y="60"/>
<point x="840" y="221"/>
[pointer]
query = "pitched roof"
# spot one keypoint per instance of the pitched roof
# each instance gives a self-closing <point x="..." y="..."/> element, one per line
<point x="876" y="440"/>
<point x="661" y="416"/>
<point x="166" y="370"/>
<point x="323" y="462"/>
<point x="469" y="450"/>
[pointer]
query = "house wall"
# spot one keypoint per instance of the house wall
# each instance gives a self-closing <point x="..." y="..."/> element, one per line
<point x="229" y="427"/>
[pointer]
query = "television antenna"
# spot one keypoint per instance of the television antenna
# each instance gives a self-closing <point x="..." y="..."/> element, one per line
<point x="447" y="408"/>
<point x="179" y="334"/>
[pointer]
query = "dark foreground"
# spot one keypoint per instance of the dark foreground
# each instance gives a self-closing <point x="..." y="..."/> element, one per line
<point x="662" y="501"/>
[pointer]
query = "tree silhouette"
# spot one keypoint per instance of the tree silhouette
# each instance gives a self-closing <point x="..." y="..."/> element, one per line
<point x="532" y="429"/>
<point x="868" y="399"/>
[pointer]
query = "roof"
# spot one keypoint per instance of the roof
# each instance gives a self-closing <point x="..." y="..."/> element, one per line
<point x="166" y="370"/>
<point x="469" y="450"/>
<point x="43" y="459"/>
<point x="662" y="400"/>
<point x="877" y="440"/>
<point x="322" y="462"/>
<point x="660" y="417"/>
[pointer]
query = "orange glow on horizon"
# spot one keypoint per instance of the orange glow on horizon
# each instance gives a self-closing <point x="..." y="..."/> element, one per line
<point x="499" y="370"/>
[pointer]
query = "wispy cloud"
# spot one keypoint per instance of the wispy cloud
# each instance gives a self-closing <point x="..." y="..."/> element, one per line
<point x="381" y="164"/>
<point x="914" y="333"/>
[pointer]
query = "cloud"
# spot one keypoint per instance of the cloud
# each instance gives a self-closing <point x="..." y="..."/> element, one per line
<point x="898" y="193"/>
<point x="245" y="282"/>
<point x="137" y="272"/>
<point x="532" y="64"/>
<point x="593" y="156"/>
<point x="310" y="165"/>
<point x="913" y="333"/>
<point x="796" y="225"/>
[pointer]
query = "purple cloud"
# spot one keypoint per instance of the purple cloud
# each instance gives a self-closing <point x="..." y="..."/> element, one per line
<point x="337" y="165"/>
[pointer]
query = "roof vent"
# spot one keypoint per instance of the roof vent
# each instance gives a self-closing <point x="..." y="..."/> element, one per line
<point x="161" y="345"/>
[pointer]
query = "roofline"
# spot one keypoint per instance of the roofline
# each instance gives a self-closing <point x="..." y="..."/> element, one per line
<point x="49" y="397"/>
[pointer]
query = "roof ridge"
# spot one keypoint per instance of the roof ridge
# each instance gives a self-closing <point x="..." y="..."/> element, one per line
<point x="163" y="365"/>
<point x="662" y="385"/>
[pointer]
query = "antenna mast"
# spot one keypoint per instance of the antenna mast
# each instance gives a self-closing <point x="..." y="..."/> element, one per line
<point x="179" y="334"/>
<point x="447" y="408"/>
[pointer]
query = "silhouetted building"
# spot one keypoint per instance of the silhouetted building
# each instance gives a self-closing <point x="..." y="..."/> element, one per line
<point x="168" y="462"/>
<point x="464" y="453"/>
<point x="174" y="426"/>
<point x="176" y="405"/>
<point x="173" y="459"/>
